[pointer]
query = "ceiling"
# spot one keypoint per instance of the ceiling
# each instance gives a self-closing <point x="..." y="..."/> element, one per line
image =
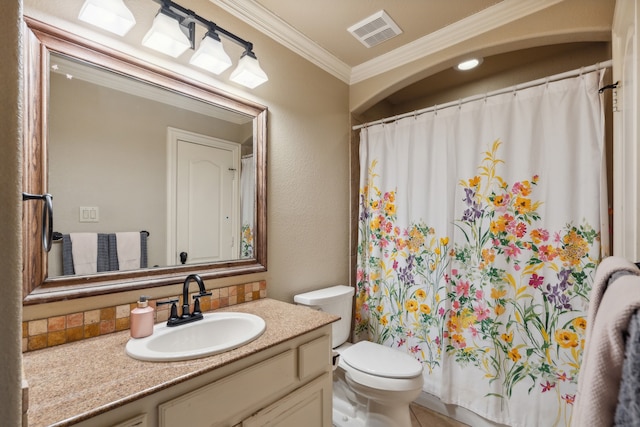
<point x="434" y="32"/>
<point x="325" y="22"/>
<point x="317" y="30"/>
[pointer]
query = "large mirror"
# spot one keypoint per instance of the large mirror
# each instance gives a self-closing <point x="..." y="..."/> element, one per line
<point x="152" y="175"/>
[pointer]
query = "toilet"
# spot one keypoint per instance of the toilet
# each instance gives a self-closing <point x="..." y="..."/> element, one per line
<point x="373" y="385"/>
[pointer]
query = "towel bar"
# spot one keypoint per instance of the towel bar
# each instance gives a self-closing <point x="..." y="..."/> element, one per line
<point x="57" y="236"/>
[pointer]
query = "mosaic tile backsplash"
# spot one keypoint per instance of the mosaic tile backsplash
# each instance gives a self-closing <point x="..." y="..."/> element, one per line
<point x="52" y="331"/>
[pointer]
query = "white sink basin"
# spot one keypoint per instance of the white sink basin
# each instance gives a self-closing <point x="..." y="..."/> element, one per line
<point x="216" y="333"/>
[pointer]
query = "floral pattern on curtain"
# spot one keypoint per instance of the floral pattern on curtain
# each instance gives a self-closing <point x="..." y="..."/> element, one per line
<point x="247" y="205"/>
<point x="493" y="299"/>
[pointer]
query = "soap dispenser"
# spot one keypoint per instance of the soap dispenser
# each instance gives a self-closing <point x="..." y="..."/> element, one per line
<point x="142" y="319"/>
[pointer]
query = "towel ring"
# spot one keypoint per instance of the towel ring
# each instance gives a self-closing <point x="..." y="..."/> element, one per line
<point x="47" y="217"/>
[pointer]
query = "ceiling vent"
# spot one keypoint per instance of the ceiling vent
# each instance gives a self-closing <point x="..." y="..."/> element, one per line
<point x="375" y="29"/>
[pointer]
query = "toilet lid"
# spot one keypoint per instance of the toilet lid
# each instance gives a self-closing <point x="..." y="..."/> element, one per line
<point x="376" y="359"/>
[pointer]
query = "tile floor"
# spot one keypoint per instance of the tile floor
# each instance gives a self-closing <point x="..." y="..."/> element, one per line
<point x="423" y="417"/>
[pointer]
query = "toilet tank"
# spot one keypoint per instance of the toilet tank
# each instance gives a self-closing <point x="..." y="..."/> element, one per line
<point x="336" y="300"/>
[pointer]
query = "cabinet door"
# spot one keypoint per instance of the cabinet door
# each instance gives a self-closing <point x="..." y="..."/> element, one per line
<point x="308" y="406"/>
<point x="232" y="397"/>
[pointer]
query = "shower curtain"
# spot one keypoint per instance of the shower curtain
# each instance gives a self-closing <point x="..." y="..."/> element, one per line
<point x="247" y="205"/>
<point x="479" y="236"/>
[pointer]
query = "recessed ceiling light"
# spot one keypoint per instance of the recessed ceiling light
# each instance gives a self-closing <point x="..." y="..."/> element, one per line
<point x="469" y="64"/>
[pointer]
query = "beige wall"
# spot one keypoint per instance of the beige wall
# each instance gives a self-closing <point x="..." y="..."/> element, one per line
<point x="10" y="189"/>
<point x="308" y="157"/>
<point x="572" y="57"/>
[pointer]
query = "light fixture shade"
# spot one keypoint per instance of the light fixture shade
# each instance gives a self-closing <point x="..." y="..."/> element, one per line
<point x="248" y="72"/>
<point x="110" y="15"/>
<point x="211" y="56"/>
<point x="166" y="36"/>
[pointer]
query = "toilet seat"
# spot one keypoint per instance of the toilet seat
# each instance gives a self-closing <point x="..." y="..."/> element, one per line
<point x="381" y="367"/>
<point x="376" y="359"/>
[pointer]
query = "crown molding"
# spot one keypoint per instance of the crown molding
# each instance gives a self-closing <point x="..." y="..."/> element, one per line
<point x="489" y="19"/>
<point x="271" y="25"/>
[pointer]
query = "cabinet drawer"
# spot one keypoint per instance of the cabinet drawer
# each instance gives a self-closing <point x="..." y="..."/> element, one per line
<point x="139" y="421"/>
<point x="221" y="400"/>
<point x="314" y="358"/>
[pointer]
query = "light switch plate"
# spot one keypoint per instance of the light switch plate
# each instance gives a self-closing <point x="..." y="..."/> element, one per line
<point x="89" y="214"/>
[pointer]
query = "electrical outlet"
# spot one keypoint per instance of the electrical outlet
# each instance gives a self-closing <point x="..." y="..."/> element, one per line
<point x="89" y="214"/>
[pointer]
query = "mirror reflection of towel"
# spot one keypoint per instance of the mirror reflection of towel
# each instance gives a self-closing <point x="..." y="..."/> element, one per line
<point x="128" y="245"/>
<point x="84" y="250"/>
<point x="67" y="256"/>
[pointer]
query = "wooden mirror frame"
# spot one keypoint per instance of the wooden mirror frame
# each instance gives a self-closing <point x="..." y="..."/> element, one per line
<point x="39" y="40"/>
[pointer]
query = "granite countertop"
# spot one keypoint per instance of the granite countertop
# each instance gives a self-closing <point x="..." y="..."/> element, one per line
<point x="73" y="382"/>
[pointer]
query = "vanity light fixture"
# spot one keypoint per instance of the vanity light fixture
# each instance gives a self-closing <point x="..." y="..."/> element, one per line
<point x="173" y="32"/>
<point x="469" y="64"/>
<point x="110" y="15"/>
<point x="166" y="34"/>
<point x="211" y="55"/>
<point x="248" y="72"/>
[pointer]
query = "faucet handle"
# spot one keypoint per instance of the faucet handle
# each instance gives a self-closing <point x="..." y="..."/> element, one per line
<point x="196" y="304"/>
<point x="203" y="294"/>
<point x="174" y="308"/>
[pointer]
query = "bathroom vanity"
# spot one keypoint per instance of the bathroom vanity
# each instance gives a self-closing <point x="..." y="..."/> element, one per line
<point x="283" y="378"/>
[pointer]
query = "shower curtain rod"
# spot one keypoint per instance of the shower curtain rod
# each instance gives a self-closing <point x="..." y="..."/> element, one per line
<point x="514" y="88"/>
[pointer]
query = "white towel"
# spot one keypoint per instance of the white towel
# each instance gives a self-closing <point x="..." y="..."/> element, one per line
<point x="84" y="249"/>
<point x="601" y="369"/>
<point x="609" y="310"/>
<point x="128" y="246"/>
<point x="607" y="270"/>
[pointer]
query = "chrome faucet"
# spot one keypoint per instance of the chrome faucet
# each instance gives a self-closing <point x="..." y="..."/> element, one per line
<point x="186" y="317"/>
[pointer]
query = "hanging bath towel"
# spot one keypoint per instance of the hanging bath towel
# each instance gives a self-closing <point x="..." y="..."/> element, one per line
<point x="128" y="245"/>
<point x="84" y="249"/>
<point x="602" y="361"/>
<point x="628" y="409"/>
<point x="67" y="256"/>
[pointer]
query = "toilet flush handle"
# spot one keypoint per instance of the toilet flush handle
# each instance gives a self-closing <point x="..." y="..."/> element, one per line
<point x="335" y="358"/>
